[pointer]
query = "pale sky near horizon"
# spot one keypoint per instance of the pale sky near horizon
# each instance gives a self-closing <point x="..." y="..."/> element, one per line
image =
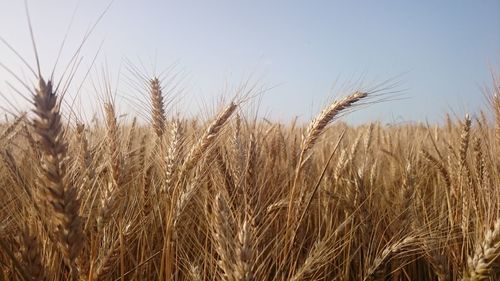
<point x="441" y="52"/>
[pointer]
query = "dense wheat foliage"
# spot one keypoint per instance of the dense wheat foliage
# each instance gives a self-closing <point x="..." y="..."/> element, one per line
<point x="231" y="198"/>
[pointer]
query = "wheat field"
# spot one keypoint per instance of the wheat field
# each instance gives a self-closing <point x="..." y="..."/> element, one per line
<point x="236" y="198"/>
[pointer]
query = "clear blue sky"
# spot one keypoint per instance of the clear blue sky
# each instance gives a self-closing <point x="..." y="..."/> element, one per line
<point x="446" y="49"/>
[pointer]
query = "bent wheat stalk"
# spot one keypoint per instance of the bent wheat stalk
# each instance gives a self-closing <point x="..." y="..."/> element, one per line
<point x="314" y="130"/>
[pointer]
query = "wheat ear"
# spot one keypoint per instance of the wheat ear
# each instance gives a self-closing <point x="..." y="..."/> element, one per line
<point x="172" y="157"/>
<point x="224" y="238"/>
<point x="465" y="174"/>
<point x="55" y="191"/>
<point x="375" y="271"/>
<point x="486" y="260"/>
<point x="112" y="191"/>
<point x="244" y="253"/>
<point x="157" y="107"/>
<point x="495" y="103"/>
<point x="208" y="137"/>
<point x="317" y="126"/>
<point x="31" y="255"/>
<point x="12" y="127"/>
<point x="314" y="130"/>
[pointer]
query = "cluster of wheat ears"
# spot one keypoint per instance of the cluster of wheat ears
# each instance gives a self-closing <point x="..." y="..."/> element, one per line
<point x="235" y="198"/>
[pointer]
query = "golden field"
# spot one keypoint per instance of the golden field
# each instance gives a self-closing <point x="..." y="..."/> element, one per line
<point x="233" y="198"/>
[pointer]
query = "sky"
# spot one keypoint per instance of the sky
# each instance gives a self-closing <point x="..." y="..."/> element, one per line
<point x="438" y="55"/>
